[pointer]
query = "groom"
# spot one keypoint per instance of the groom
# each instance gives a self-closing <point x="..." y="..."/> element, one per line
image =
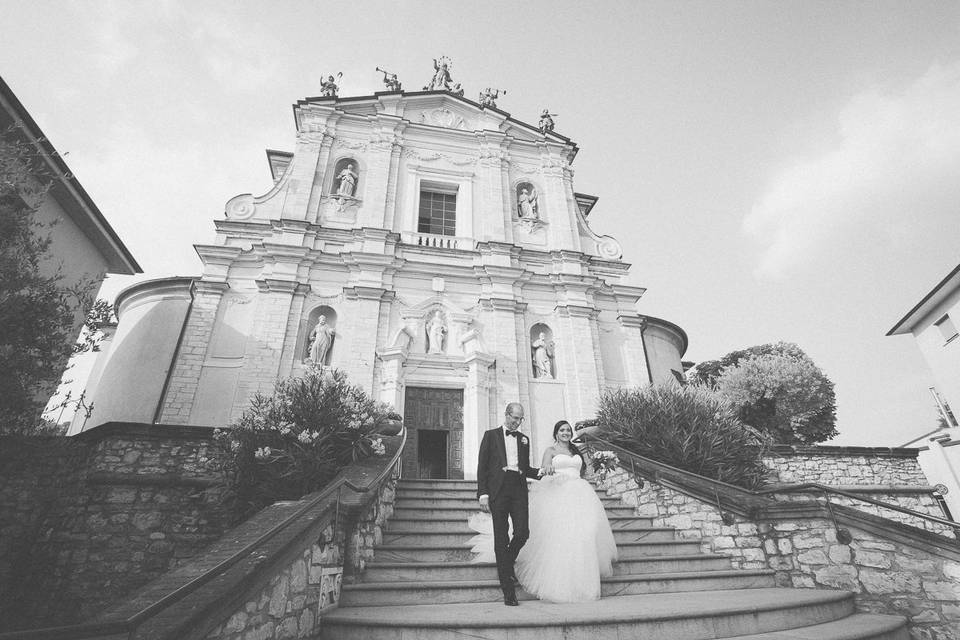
<point x="502" y="470"/>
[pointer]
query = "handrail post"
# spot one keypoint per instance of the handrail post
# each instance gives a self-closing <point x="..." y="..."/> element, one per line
<point x="843" y="535"/>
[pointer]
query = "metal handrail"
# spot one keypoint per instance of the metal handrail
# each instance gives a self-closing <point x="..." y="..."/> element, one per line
<point x="682" y="474"/>
<point x="88" y="630"/>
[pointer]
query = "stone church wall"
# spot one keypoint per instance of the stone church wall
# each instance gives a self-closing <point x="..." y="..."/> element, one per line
<point x="87" y="519"/>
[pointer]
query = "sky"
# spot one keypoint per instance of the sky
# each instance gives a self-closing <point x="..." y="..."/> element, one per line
<point x="774" y="170"/>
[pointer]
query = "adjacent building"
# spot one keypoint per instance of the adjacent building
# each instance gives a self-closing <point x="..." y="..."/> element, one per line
<point x="433" y="248"/>
<point x="934" y="322"/>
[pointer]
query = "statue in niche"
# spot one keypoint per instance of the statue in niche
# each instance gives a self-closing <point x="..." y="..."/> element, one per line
<point x="527" y="208"/>
<point x="441" y="75"/>
<point x="347" y="182"/>
<point x="546" y="121"/>
<point x="328" y="87"/>
<point x="435" y="333"/>
<point x="488" y="97"/>
<point x="321" y="339"/>
<point x="543" y="357"/>
<point x="390" y="80"/>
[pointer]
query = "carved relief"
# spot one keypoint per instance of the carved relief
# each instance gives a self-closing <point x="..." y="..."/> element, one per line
<point x="443" y="118"/>
<point x="240" y="207"/>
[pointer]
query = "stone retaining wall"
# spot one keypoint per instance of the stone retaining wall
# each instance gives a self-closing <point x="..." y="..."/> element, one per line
<point x="845" y="465"/>
<point x="913" y="580"/>
<point x="85" y="520"/>
<point x="292" y="605"/>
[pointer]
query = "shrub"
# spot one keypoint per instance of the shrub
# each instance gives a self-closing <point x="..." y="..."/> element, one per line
<point x="690" y="427"/>
<point x="296" y="440"/>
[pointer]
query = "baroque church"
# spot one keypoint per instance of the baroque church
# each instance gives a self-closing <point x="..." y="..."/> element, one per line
<point x="432" y="247"/>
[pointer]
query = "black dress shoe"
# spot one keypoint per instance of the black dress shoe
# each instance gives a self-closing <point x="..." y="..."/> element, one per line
<point x="510" y="600"/>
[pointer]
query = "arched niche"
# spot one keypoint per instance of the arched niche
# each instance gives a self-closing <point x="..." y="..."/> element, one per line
<point x="542" y="352"/>
<point x="346" y="178"/>
<point x="527" y="197"/>
<point x="327" y="341"/>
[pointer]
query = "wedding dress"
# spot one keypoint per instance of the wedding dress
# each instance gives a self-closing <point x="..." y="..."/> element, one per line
<point x="571" y="545"/>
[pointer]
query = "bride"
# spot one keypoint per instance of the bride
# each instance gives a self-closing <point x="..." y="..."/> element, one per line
<point x="571" y="545"/>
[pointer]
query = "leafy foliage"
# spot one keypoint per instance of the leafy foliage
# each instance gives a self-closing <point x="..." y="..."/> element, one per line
<point x="690" y="427"/>
<point x="788" y="397"/>
<point x="296" y="440"/>
<point x="36" y="308"/>
<point x="708" y="371"/>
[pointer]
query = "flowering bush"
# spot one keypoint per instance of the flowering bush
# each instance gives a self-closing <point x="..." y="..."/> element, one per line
<point x="296" y="440"/>
<point x="604" y="462"/>
<point x="690" y="427"/>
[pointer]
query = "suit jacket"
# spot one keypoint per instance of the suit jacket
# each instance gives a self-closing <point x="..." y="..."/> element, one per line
<point x="493" y="458"/>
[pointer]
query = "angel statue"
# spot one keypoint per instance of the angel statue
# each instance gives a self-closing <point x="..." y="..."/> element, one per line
<point x="489" y="96"/>
<point x="328" y="87"/>
<point x="441" y="75"/>
<point x="390" y="80"/>
<point x="546" y="121"/>
<point x="527" y="204"/>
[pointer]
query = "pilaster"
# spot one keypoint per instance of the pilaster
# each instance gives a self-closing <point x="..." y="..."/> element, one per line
<point x="177" y="403"/>
<point x="581" y="363"/>
<point x="635" y="354"/>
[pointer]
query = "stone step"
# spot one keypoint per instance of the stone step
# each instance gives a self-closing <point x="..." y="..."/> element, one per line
<point x="456" y="488"/>
<point x="859" y="626"/>
<point x="461" y="534"/>
<point x="406" y="502"/>
<point x="471" y="496"/>
<point x="657" y="616"/>
<point x="462" y="553"/>
<point x="447" y="571"/>
<point x="435" y="523"/>
<point x="395" y="593"/>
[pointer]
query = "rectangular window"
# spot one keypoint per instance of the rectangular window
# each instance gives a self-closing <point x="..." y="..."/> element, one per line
<point x="947" y="329"/>
<point x="438" y="211"/>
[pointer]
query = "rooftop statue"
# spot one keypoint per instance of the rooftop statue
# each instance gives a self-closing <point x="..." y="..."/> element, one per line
<point x="328" y="87"/>
<point x="441" y="79"/>
<point x="457" y="90"/>
<point x="489" y="96"/>
<point x="390" y="79"/>
<point x="546" y="121"/>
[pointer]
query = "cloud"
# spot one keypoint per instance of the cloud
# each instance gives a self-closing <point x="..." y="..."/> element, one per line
<point x="893" y="175"/>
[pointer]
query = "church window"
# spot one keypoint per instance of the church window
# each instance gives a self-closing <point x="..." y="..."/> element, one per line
<point x="438" y="210"/>
<point x="947" y="329"/>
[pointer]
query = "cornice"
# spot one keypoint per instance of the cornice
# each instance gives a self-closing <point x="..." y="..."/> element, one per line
<point x="274" y="285"/>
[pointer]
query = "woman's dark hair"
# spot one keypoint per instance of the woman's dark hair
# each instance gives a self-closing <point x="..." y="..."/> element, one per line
<point x="573" y="448"/>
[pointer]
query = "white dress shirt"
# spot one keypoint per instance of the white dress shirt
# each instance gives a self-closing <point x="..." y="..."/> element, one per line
<point x="511" y="445"/>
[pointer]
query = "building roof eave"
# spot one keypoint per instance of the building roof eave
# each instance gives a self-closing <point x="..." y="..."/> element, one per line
<point x="936" y="295"/>
<point x="66" y="189"/>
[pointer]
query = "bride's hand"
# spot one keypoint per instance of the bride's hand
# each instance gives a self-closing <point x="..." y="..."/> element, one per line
<point x="546" y="470"/>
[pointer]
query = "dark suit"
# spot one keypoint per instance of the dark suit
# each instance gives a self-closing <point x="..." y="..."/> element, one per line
<point x="507" y="491"/>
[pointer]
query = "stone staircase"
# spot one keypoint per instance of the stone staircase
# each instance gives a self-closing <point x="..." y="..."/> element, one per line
<point x="422" y="585"/>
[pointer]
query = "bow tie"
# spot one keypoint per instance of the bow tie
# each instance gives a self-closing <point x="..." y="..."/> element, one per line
<point x="515" y="434"/>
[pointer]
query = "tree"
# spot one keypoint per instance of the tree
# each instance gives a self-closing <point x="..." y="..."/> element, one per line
<point x="784" y="394"/>
<point x="36" y="308"/>
<point x="708" y="371"/>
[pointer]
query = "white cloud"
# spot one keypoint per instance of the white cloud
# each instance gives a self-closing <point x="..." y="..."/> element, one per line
<point x="894" y="172"/>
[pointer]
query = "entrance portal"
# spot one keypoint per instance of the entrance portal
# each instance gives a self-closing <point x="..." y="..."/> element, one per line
<point x="434" y="421"/>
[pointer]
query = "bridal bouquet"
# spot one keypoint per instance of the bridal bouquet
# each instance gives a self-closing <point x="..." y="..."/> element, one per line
<point x="604" y="462"/>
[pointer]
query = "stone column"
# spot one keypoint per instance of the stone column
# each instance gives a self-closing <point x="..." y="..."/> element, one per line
<point x="476" y="408"/>
<point x="357" y="334"/>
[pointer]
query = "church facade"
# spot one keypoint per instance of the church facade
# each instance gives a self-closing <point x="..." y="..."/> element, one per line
<point x="434" y="249"/>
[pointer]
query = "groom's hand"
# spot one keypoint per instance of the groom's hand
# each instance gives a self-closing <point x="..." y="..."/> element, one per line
<point x="485" y="504"/>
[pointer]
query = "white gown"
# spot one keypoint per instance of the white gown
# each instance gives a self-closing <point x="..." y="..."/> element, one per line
<point x="571" y="545"/>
